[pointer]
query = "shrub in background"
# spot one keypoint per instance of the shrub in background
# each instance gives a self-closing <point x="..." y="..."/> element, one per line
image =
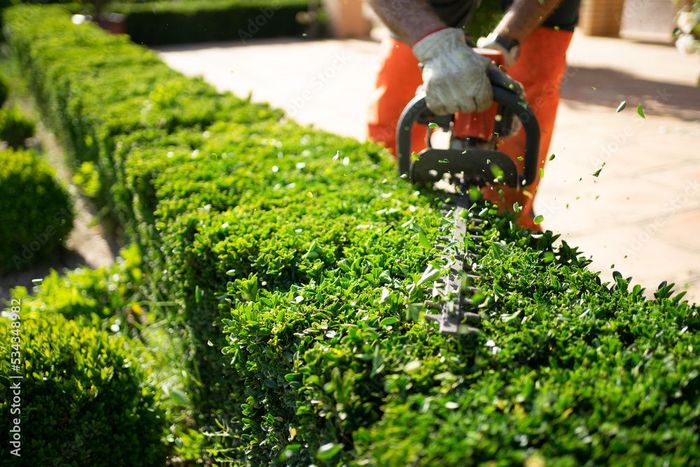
<point x="84" y="400"/>
<point x="15" y="127"/>
<point x="36" y="210"/>
<point x="178" y="22"/>
<point x="112" y="299"/>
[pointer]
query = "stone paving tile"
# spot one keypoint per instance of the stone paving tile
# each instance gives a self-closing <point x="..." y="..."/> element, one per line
<point x="325" y="83"/>
<point x="678" y="230"/>
<point x="635" y="203"/>
<point x="642" y="254"/>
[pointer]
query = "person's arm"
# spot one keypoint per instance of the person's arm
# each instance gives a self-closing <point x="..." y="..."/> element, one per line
<point x="524" y="16"/>
<point x="411" y="20"/>
<point x="454" y="76"/>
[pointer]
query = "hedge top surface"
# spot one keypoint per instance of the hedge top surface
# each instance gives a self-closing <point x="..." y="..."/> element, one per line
<point x="302" y="257"/>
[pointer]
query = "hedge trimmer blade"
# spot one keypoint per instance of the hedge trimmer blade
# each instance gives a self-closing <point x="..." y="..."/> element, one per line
<point x="474" y="158"/>
<point x="453" y="294"/>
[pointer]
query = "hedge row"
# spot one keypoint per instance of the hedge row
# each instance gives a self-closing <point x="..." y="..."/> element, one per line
<point x="301" y="261"/>
<point x="187" y="21"/>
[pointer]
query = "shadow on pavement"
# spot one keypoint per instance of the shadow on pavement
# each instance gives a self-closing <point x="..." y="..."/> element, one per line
<point x="64" y="260"/>
<point x="607" y="88"/>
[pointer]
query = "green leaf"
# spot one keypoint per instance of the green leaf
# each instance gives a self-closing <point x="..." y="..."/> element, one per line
<point x="538" y="220"/>
<point x="510" y="317"/>
<point x="497" y="172"/>
<point x="428" y="275"/>
<point x="475" y="193"/>
<point x="179" y="396"/>
<point x="640" y="111"/>
<point x="388" y="321"/>
<point x="328" y="451"/>
<point x="412" y="366"/>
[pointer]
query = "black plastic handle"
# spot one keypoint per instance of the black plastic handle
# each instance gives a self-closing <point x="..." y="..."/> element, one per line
<point x="507" y="93"/>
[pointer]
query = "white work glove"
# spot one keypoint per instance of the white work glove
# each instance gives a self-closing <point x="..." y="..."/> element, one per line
<point x="454" y="75"/>
<point x="489" y="42"/>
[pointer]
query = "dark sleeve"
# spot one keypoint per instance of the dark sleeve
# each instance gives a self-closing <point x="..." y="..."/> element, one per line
<point x="565" y="17"/>
<point x="455" y="13"/>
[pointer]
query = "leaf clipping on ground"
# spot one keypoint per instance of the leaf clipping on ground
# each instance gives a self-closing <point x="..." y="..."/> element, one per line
<point x="621" y="107"/>
<point x="640" y="111"/>
<point x="597" y="172"/>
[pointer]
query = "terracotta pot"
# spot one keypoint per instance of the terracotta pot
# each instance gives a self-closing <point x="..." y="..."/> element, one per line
<point x="112" y="22"/>
<point x="601" y="17"/>
<point x="347" y="18"/>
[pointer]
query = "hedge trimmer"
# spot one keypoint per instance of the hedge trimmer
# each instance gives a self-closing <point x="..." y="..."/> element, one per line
<point x="470" y="160"/>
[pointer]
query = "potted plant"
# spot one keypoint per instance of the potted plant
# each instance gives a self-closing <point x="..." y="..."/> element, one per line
<point x="601" y="17"/>
<point x="687" y="33"/>
<point x="112" y="22"/>
<point x="347" y="18"/>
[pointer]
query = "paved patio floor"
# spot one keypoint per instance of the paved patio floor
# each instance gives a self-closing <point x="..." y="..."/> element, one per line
<point x="640" y="215"/>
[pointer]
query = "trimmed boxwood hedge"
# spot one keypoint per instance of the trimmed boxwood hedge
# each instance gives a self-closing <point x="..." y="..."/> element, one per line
<point x="36" y="210"/>
<point x="82" y="400"/>
<point x="301" y="260"/>
<point x="164" y="22"/>
<point x="188" y="21"/>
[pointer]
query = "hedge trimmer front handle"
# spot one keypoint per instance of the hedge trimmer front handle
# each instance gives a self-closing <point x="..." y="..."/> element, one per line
<point x="475" y="163"/>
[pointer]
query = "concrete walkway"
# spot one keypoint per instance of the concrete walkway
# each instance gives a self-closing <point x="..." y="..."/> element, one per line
<point x="639" y="216"/>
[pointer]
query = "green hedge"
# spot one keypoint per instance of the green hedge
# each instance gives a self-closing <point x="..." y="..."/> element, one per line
<point x="111" y="299"/>
<point x="302" y="258"/>
<point x="82" y="399"/>
<point x="36" y="211"/>
<point x="187" y="21"/>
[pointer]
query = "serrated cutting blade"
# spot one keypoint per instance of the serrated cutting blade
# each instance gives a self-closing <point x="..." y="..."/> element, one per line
<point x="452" y="297"/>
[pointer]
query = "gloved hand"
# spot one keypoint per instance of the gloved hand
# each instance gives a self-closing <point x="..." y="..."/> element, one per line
<point x="489" y="42"/>
<point x="454" y="75"/>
